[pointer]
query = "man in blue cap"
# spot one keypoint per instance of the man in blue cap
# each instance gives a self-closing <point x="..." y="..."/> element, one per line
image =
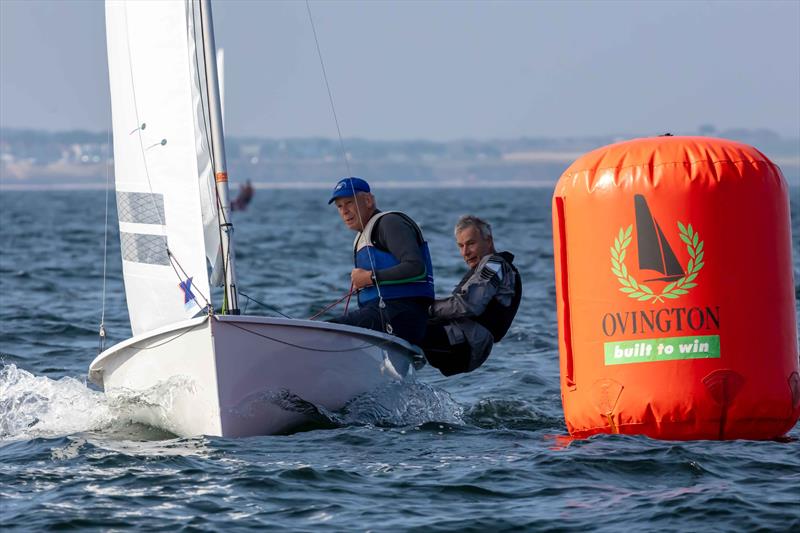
<point x="393" y="273"/>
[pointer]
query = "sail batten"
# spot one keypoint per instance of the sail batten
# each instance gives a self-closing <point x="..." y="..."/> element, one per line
<point x="161" y="161"/>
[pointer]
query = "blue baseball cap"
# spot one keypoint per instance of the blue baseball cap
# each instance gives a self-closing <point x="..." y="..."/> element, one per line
<point x="347" y="187"/>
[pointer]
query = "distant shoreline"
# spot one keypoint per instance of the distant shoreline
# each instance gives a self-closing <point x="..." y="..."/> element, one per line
<point x="317" y="185"/>
<point x="323" y="185"/>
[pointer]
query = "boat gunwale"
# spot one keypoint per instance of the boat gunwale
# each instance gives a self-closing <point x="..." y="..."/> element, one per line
<point x="95" y="365"/>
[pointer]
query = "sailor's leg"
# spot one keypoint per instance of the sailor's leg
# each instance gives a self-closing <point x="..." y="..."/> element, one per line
<point x="409" y="318"/>
<point x="449" y="359"/>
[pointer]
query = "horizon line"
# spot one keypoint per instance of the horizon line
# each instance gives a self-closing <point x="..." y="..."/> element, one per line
<point x="311" y="185"/>
<point x="585" y="136"/>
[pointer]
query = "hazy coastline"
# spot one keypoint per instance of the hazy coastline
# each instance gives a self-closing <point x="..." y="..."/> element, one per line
<point x="80" y="160"/>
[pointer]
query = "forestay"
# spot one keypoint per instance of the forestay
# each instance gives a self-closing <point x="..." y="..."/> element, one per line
<point x="165" y="194"/>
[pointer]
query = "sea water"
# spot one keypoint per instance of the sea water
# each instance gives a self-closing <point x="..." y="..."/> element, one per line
<point x="483" y="451"/>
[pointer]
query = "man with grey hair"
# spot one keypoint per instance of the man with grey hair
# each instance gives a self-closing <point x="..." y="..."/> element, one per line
<point x="463" y="327"/>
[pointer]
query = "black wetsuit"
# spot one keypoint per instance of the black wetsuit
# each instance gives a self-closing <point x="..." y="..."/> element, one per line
<point x="465" y="326"/>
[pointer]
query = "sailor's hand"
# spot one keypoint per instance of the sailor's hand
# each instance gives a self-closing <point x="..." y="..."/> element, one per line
<point x="361" y="278"/>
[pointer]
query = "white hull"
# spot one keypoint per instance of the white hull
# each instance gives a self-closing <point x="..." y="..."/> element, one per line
<point x="222" y="375"/>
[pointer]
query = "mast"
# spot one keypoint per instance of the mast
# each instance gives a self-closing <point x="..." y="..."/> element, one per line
<point x="218" y="152"/>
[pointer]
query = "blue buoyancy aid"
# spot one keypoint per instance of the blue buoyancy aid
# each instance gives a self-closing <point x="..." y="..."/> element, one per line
<point x="368" y="257"/>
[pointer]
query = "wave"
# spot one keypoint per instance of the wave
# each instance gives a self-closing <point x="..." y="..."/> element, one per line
<point x="40" y="407"/>
<point x="34" y="407"/>
<point x="37" y="406"/>
<point x="396" y="404"/>
<point x="514" y="414"/>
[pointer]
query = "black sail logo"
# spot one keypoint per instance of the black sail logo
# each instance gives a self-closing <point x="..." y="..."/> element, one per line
<point x="656" y="255"/>
<point x="655" y="252"/>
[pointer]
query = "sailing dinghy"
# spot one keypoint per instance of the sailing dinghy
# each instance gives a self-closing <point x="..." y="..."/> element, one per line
<point x="194" y="370"/>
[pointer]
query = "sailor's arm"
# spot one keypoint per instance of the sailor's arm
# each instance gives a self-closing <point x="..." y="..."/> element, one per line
<point x="399" y="237"/>
<point x="472" y="297"/>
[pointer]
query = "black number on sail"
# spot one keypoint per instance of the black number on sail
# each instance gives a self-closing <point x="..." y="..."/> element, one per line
<point x="655" y="252"/>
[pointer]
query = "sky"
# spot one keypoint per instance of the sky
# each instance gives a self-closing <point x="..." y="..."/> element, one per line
<point x="441" y="70"/>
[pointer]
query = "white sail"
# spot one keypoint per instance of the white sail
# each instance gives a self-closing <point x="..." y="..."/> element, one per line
<point x="217" y="368"/>
<point x="165" y="196"/>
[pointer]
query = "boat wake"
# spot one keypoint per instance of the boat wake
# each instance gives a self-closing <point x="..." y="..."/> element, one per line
<point x="399" y="404"/>
<point x="396" y="404"/>
<point x="40" y="407"/>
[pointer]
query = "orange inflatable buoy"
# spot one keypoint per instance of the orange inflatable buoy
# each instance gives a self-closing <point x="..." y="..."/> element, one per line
<point x="676" y="305"/>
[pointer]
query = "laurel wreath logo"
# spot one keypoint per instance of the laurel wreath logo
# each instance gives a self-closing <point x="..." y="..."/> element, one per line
<point x="673" y="290"/>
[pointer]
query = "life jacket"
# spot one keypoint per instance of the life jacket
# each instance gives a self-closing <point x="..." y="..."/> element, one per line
<point x="496" y="317"/>
<point x="367" y="256"/>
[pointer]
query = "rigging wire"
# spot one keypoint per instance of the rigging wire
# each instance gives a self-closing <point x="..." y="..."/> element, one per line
<point x="102" y="332"/>
<point x="312" y="348"/>
<point x="263" y="304"/>
<point x="381" y="305"/>
<point x="366" y="345"/>
<point x="328" y="87"/>
<point x="314" y="317"/>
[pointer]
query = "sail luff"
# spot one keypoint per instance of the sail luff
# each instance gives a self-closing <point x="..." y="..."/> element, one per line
<point x="218" y="150"/>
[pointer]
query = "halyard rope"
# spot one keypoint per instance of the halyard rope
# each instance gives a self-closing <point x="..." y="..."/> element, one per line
<point x="327" y="308"/>
<point x="381" y="305"/>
